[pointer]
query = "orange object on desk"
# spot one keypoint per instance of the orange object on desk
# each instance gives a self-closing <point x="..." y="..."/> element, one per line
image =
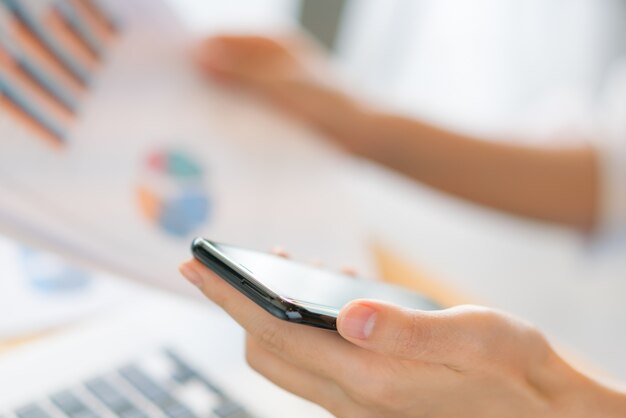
<point x="393" y="269"/>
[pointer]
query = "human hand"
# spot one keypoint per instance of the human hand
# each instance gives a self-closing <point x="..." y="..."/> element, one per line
<point x="291" y="72"/>
<point x="262" y="62"/>
<point x="393" y="362"/>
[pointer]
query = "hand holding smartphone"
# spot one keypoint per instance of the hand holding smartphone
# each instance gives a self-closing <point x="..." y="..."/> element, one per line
<point x="293" y="291"/>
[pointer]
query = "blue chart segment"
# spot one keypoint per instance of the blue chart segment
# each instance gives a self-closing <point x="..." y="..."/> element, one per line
<point x="49" y="274"/>
<point x="173" y="192"/>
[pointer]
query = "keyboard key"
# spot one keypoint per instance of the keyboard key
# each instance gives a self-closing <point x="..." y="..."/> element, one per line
<point x="187" y="376"/>
<point x="133" y="413"/>
<point x="231" y="410"/>
<point x="177" y="410"/>
<point x="198" y="398"/>
<point x="155" y="393"/>
<point x="73" y="406"/>
<point x="185" y="373"/>
<point x="182" y="373"/>
<point x="113" y="399"/>
<point x="32" y="411"/>
<point x="148" y="387"/>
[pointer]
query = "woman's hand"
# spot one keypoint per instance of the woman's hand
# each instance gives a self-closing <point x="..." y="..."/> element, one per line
<point x="394" y="362"/>
<point x="292" y="73"/>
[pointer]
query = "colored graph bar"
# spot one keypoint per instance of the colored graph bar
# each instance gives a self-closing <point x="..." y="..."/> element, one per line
<point x="24" y="15"/>
<point x="37" y="74"/>
<point x="78" y="26"/>
<point x="99" y="8"/>
<point x="19" y="98"/>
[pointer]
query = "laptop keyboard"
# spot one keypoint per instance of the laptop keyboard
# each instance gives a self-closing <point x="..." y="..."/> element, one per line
<point x="163" y="386"/>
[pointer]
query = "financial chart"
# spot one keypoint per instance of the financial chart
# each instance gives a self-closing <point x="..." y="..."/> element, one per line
<point x="127" y="152"/>
<point x="172" y="192"/>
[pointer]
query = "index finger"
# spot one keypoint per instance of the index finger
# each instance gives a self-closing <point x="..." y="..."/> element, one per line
<point x="318" y="351"/>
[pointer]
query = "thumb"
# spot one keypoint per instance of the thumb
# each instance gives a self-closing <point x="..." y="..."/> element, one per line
<point x="400" y="332"/>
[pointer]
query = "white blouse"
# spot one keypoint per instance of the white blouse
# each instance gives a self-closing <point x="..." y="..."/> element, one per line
<point x="612" y="144"/>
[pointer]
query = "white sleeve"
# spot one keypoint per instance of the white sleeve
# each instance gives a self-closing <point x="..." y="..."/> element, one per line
<point x="612" y="147"/>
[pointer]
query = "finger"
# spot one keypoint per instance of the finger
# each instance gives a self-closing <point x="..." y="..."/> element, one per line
<point x="235" y="53"/>
<point x="212" y="52"/>
<point x="317" y="263"/>
<point x="349" y="271"/>
<point x="319" y="351"/>
<point x="446" y="336"/>
<point x="280" y="251"/>
<point x="222" y="57"/>
<point x="298" y="381"/>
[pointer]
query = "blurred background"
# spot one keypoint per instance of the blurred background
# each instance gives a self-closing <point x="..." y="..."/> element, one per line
<point x="530" y="71"/>
<point x="487" y="66"/>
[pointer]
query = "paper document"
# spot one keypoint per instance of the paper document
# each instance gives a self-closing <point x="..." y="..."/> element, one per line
<point x="39" y="291"/>
<point x="158" y="156"/>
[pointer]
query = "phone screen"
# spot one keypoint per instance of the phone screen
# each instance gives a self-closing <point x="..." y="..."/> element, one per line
<point x="307" y="284"/>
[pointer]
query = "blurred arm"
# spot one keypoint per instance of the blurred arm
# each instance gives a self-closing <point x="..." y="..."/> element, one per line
<point x="559" y="185"/>
<point x="554" y="184"/>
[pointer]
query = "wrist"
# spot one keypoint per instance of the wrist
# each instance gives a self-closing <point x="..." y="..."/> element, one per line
<point x="358" y="130"/>
<point x="596" y="399"/>
<point x="351" y="122"/>
<point x="574" y="394"/>
<point x="345" y="119"/>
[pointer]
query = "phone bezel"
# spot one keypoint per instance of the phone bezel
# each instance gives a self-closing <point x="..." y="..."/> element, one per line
<point x="244" y="281"/>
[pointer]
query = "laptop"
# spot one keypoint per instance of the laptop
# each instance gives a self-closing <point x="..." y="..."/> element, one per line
<point x="159" y="356"/>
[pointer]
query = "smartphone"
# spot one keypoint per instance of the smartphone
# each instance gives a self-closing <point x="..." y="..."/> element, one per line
<point x="293" y="291"/>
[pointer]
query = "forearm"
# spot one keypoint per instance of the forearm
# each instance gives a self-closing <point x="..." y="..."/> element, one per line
<point x="554" y="184"/>
<point x="573" y="394"/>
<point x="559" y="185"/>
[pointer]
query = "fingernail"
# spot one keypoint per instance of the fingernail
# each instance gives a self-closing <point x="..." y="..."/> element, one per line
<point x="191" y="275"/>
<point x="358" y="322"/>
<point x="280" y="251"/>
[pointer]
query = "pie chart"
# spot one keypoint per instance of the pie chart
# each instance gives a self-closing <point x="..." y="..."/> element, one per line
<point x="172" y="192"/>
